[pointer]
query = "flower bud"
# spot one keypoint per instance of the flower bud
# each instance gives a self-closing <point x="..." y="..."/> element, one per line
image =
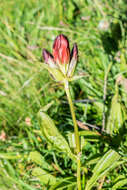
<point x="51" y="66"/>
<point x="48" y="58"/>
<point x="61" y="50"/>
<point x="46" y="55"/>
<point x="74" y="53"/>
<point x="61" y="64"/>
<point x="74" y="58"/>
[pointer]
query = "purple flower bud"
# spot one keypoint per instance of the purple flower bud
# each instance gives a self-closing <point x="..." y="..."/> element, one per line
<point x="46" y="55"/>
<point x="74" y="57"/>
<point x="74" y="52"/>
<point x="48" y="58"/>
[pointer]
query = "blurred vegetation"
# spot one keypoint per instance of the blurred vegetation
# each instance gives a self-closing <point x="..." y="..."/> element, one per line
<point x="99" y="28"/>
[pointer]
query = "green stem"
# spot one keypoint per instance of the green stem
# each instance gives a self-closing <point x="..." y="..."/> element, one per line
<point x="77" y="140"/>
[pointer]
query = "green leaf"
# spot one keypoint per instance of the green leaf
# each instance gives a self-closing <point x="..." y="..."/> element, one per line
<point x="70" y="10"/>
<point x="68" y="182"/>
<point x="106" y="163"/>
<point x="90" y="135"/>
<point x="93" y="160"/>
<point x="10" y="155"/>
<point x="37" y="158"/>
<point x="55" y="73"/>
<point x="119" y="184"/>
<point x="44" y="176"/>
<point x="116" y="116"/>
<point x="51" y="133"/>
<point x="11" y="171"/>
<point x="9" y="180"/>
<point x="71" y="140"/>
<point x="85" y="136"/>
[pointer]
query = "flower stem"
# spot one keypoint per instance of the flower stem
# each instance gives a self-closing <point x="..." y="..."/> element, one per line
<point x="77" y="140"/>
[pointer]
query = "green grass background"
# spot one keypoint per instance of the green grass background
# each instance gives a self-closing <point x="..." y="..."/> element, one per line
<point x="99" y="29"/>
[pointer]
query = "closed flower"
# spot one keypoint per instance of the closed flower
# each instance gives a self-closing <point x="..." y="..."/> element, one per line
<point x="61" y="58"/>
<point x="61" y="50"/>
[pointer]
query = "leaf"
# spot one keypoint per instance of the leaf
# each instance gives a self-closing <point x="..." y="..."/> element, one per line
<point x="55" y="73"/>
<point x="71" y="140"/>
<point x="37" y="158"/>
<point x="116" y="116"/>
<point x="93" y="160"/>
<point x="10" y="155"/>
<point x="9" y="168"/>
<point x="51" y="133"/>
<point x="44" y="176"/>
<point x="46" y="107"/>
<point x="76" y="77"/>
<point x="64" y="183"/>
<point x="119" y="184"/>
<point x="106" y="163"/>
<point x="70" y="10"/>
<point x="9" y="180"/>
<point x="90" y="135"/>
<point x="85" y="136"/>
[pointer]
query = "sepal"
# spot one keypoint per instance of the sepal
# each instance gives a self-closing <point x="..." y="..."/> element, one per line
<point x="55" y="73"/>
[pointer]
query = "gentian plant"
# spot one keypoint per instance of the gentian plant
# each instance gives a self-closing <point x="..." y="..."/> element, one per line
<point x="61" y="66"/>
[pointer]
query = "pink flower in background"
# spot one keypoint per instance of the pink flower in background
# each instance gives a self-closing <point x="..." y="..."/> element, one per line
<point x="3" y="136"/>
<point x="28" y="121"/>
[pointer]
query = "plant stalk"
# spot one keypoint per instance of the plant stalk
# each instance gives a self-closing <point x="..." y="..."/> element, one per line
<point x="77" y="140"/>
